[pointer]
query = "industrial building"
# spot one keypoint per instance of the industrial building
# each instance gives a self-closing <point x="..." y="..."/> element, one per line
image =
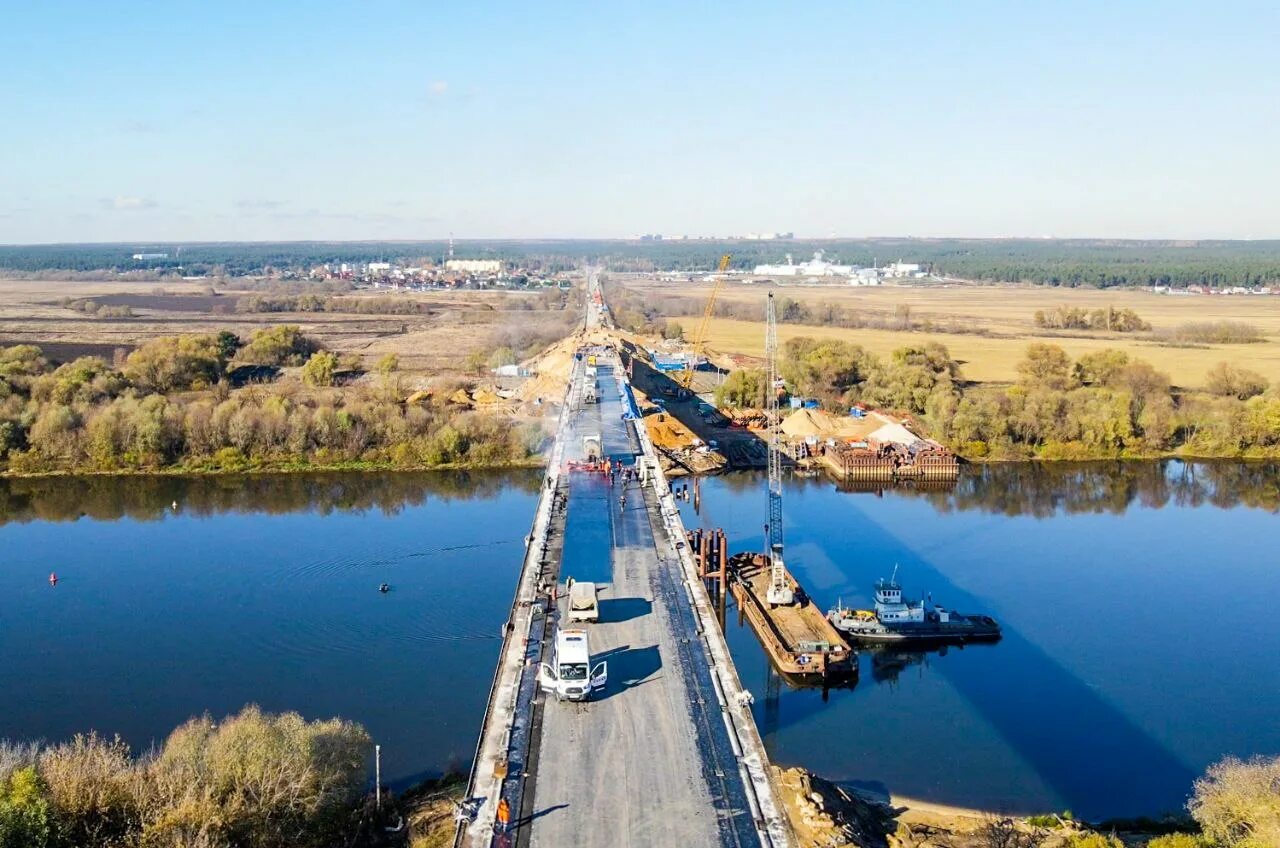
<point x="816" y="267"/>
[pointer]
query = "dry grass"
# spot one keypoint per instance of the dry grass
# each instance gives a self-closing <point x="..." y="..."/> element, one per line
<point x="1005" y="314"/>
<point x="435" y="343"/>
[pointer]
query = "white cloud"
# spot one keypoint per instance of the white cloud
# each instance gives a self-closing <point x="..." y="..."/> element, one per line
<point x="129" y="204"/>
<point x="438" y="88"/>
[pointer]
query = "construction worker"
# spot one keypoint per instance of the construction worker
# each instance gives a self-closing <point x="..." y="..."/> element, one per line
<point x="504" y="815"/>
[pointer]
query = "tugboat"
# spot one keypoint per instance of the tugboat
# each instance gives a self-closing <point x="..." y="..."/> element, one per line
<point x="898" y="620"/>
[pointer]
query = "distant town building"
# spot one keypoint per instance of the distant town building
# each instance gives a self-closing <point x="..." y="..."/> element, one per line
<point x="816" y="267"/>
<point x="145" y="257"/>
<point x="903" y="269"/>
<point x="474" y="266"/>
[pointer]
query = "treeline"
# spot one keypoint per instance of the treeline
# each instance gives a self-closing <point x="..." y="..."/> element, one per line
<point x="386" y="305"/>
<point x="1105" y="404"/>
<point x="236" y="259"/>
<point x="546" y="299"/>
<point x="169" y="405"/>
<point x="1064" y="262"/>
<point x="1216" y="332"/>
<point x="1076" y="318"/>
<point x="270" y="781"/>
<point x="97" y="310"/>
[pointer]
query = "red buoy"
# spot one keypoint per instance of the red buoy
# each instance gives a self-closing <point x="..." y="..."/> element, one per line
<point x="53" y="578"/>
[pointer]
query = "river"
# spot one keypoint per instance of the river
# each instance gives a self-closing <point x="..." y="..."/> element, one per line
<point x="260" y="590"/>
<point x="1139" y="605"/>
<point x="1138" y="602"/>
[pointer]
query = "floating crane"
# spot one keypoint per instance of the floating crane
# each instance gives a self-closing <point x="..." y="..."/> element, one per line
<point x="780" y="592"/>
<point x="700" y="337"/>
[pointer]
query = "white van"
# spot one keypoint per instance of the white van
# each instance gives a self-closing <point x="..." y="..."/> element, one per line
<point x="570" y="674"/>
<point x="583" y="603"/>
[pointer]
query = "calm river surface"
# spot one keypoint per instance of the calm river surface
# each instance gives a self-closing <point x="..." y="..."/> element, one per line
<point x="260" y="590"/>
<point x="1139" y="605"/>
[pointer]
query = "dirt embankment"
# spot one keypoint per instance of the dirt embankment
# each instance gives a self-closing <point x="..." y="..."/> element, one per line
<point x="826" y="815"/>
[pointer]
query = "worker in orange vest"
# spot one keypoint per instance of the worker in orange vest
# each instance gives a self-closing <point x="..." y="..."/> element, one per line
<point x="504" y="814"/>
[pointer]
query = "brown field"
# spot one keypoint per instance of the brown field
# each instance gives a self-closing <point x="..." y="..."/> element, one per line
<point x="1001" y="322"/>
<point x="434" y="342"/>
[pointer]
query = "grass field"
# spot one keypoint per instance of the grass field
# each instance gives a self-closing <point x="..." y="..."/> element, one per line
<point x="1005" y="315"/>
<point x="434" y="342"/>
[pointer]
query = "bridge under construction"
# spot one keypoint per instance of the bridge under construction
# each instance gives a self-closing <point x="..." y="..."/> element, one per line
<point x="666" y="752"/>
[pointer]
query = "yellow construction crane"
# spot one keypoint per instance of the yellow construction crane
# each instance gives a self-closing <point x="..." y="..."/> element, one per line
<point x="699" y="338"/>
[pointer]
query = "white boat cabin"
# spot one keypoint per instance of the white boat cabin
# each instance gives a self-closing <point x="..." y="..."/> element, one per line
<point x="892" y="609"/>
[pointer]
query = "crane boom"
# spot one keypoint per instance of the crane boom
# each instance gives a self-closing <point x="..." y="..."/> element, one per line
<point x="700" y="337"/>
<point x="779" y="589"/>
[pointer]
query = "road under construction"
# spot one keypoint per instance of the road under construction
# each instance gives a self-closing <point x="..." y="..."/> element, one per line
<point x="667" y="751"/>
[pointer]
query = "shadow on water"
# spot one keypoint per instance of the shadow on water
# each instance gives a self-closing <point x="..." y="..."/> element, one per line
<point x="1080" y="745"/>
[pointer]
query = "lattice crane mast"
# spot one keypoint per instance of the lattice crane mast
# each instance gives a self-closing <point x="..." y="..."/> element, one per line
<point x="700" y="337"/>
<point x="780" y="592"/>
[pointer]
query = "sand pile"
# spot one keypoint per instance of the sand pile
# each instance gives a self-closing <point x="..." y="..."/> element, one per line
<point x="485" y="395"/>
<point x="823" y="425"/>
<point x="668" y="433"/>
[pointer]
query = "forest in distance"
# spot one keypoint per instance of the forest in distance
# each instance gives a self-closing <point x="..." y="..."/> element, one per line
<point x="1059" y="262"/>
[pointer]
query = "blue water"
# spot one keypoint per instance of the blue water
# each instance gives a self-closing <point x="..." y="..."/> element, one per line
<point x="1141" y="637"/>
<point x="260" y="590"/>
<point x="1138" y="603"/>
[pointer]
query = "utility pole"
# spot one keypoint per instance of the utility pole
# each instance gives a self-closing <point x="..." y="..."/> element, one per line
<point x="377" y="777"/>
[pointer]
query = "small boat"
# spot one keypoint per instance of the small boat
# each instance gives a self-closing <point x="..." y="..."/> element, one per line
<point x="895" y="619"/>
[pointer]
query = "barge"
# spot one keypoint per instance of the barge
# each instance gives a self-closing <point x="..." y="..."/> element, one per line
<point x="802" y="644"/>
<point x="897" y="620"/>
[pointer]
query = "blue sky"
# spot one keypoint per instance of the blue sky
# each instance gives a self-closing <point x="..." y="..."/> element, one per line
<point x="291" y="120"/>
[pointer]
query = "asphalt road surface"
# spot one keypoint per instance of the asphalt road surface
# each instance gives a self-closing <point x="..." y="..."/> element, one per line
<point x="646" y="762"/>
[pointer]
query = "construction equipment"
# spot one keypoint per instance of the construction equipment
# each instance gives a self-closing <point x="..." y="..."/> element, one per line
<point x="780" y="591"/>
<point x="700" y="337"/>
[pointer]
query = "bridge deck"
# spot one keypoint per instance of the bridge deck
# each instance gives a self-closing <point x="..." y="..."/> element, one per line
<point x="648" y="762"/>
<point x="664" y="755"/>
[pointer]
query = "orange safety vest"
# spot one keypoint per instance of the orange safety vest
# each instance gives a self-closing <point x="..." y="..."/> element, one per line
<point x="504" y="811"/>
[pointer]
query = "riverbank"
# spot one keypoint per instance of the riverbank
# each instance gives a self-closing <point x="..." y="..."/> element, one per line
<point x="266" y="469"/>
<point x="827" y="815"/>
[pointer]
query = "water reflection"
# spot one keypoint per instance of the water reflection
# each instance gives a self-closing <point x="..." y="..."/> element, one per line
<point x="149" y="498"/>
<point x="1045" y="489"/>
<point x="887" y="664"/>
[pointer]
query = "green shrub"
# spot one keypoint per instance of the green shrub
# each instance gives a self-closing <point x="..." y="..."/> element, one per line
<point x="319" y="369"/>
<point x="1180" y="840"/>
<point x="26" y="820"/>
<point x="282" y="345"/>
<point x="1095" y="840"/>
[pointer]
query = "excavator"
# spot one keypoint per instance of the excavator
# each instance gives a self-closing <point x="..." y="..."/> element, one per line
<point x="698" y="348"/>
